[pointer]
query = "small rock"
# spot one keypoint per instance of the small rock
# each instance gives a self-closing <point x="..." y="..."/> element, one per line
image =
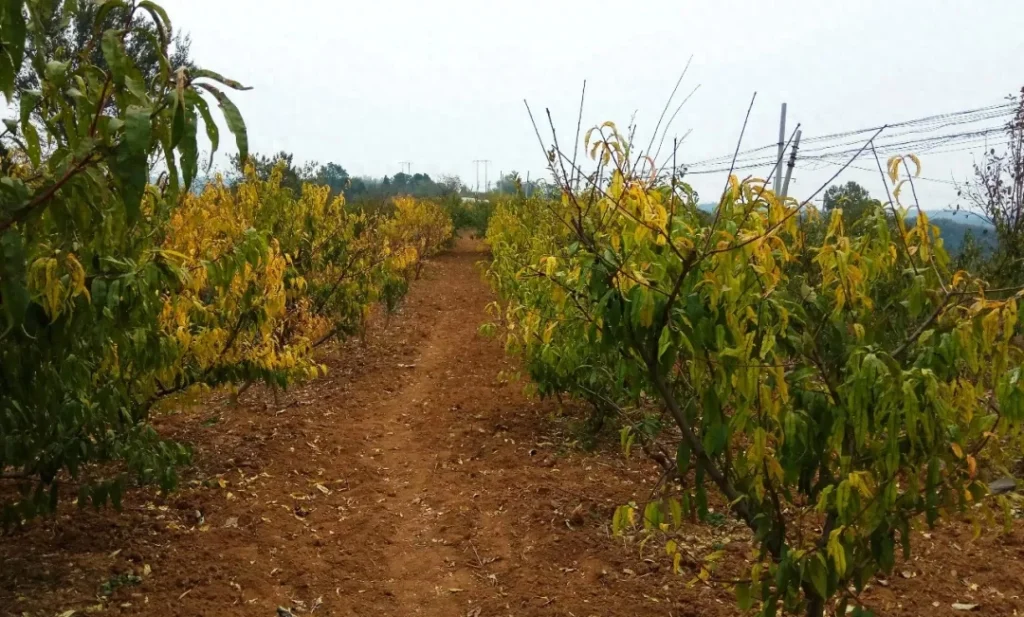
<point x="1002" y="485"/>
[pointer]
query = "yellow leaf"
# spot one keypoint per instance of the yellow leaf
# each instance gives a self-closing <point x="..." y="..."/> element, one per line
<point x="957" y="450"/>
<point x="858" y="331"/>
<point x="836" y="550"/>
<point x="550" y="265"/>
<point x="896" y="191"/>
<point x="894" y="168"/>
<point x="917" y="164"/>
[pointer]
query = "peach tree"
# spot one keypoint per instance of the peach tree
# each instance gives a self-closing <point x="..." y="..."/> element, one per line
<point x="92" y="164"/>
<point x="832" y="388"/>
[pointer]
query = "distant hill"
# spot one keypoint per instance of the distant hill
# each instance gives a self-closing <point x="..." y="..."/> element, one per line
<point x="962" y="216"/>
<point x="953" y="233"/>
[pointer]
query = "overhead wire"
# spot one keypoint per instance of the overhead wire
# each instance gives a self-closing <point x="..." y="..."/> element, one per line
<point x="820" y="148"/>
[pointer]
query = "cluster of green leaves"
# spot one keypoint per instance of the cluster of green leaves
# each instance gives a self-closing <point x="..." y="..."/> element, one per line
<point x="470" y="214"/>
<point x="82" y="276"/>
<point x="832" y="389"/>
<point x="120" y="287"/>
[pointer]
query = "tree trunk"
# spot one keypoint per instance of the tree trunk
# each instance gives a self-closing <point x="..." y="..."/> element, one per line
<point x="815" y="606"/>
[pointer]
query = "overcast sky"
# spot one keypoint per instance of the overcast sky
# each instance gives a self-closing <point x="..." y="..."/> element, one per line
<point x="441" y="83"/>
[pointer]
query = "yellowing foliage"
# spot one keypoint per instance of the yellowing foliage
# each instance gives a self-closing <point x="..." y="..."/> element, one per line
<point x="816" y="376"/>
<point x="419" y="229"/>
<point x="254" y="304"/>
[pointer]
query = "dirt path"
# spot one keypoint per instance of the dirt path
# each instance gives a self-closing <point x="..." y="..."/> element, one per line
<point x="412" y="480"/>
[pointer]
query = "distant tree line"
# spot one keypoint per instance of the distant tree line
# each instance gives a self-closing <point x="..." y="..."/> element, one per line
<point x="354" y="188"/>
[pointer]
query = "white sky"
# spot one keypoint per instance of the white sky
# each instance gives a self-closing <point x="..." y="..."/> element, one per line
<point x="441" y="83"/>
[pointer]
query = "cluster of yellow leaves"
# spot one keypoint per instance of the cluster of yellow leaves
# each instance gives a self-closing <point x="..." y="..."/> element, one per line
<point x="796" y="346"/>
<point x="267" y="274"/>
<point x="233" y="303"/>
<point x="419" y="229"/>
<point x="56" y="280"/>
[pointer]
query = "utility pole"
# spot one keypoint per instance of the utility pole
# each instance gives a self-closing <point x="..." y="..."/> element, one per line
<point x="791" y="165"/>
<point x="406" y="167"/>
<point x="777" y="184"/>
<point x="501" y="174"/>
<point x="477" y="162"/>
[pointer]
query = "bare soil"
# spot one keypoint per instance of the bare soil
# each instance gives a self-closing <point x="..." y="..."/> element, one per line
<point x="416" y="479"/>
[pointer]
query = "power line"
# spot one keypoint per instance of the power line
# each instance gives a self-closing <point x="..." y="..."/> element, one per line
<point x="925" y="144"/>
<point x="916" y="126"/>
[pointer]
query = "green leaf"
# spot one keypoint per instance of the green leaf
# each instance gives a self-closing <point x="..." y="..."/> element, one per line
<point x="178" y="121"/>
<point x="32" y="143"/>
<point x="131" y="174"/>
<point x="56" y="71"/>
<point x="7" y="74"/>
<point x="14" y="295"/>
<point x="743" y="597"/>
<point x="160" y="18"/>
<point x="137" y="130"/>
<point x="683" y="457"/>
<point x="115" y="55"/>
<point x="29" y="100"/>
<point x="664" y="341"/>
<point x="234" y="119"/>
<point x="212" y="132"/>
<point x="189" y="149"/>
<point x="130" y="162"/>
<point x="231" y="83"/>
<point x="173" y="178"/>
<point x="105" y="7"/>
<point x="12" y="44"/>
<point x="137" y="86"/>
<point x="652" y="515"/>
<point x="817" y="572"/>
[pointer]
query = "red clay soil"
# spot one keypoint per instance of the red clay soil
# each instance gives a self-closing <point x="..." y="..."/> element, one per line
<point x="415" y="480"/>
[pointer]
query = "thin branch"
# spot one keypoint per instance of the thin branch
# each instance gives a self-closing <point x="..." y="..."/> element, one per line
<point x="39" y="200"/>
<point x="921" y="328"/>
<point x="664" y="110"/>
<point x="728" y="177"/>
<point x="579" y="124"/>
<point x="900" y="225"/>
<point x="672" y="118"/>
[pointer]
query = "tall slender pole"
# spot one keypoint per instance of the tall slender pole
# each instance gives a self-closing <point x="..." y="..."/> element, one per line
<point x="782" y="148"/>
<point x="477" y="162"/>
<point x="791" y="165"/>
